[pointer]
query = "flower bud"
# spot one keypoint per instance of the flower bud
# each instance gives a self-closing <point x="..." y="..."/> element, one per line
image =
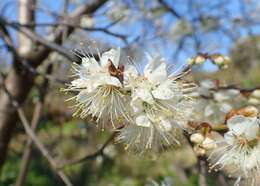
<point x="199" y="59"/>
<point x="221" y="61"/>
<point x="218" y="59"/>
<point x="208" y="144"/>
<point x="199" y="151"/>
<point x="254" y="101"/>
<point x="249" y="111"/>
<point x="197" y="138"/>
<point x="256" y="93"/>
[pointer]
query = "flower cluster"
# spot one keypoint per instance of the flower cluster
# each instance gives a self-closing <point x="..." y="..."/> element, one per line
<point x="150" y="105"/>
<point x="240" y="148"/>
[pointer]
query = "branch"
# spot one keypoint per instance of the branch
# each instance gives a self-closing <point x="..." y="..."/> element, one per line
<point x="242" y="90"/>
<point x="35" y="120"/>
<point x="50" y="45"/>
<point x="89" y="156"/>
<point x="33" y="137"/>
<point x="91" y="29"/>
<point x="35" y="72"/>
<point x="170" y="9"/>
<point x="202" y="172"/>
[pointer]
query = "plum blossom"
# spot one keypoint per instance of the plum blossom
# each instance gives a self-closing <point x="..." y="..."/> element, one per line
<point x="240" y="148"/>
<point x="99" y="87"/>
<point x="153" y="106"/>
<point x="160" y="107"/>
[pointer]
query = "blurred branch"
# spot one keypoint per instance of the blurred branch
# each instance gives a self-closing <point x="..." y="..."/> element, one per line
<point x="5" y="35"/>
<point x="242" y="90"/>
<point x="104" y="29"/>
<point x="35" y="120"/>
<point x="33" y="136"/>
<point x="36" y="38"/>
<point x="90" y="156"/>
<point x="46" y="76"/>
<point x="170" y="9"/>
<point x="202" y="172"/>
<point x="221" y="179"/>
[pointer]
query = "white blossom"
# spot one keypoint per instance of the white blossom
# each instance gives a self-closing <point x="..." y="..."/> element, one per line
<point x="153" y="107"/>
<point x="159" y="106"/>
<point x="240" y="148"/>
<point x="99" y="88"/>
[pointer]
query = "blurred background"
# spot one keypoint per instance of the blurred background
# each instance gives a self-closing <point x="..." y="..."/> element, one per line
<point x="39" y="40"/>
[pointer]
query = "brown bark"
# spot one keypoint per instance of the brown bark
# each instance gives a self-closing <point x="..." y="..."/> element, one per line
<point x="18" y="84"/>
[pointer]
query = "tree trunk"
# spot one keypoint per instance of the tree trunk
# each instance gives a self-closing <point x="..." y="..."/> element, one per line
<point x="18" y="84"/>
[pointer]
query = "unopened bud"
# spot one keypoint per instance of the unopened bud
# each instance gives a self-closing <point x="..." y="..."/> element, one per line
<point x="256" y="93"/>
<point x="249" y="111"/>
<point x="218" y="59"/>
<point x="208" y="144"/>
<point x="197" y="138"/>
<point x="254" y="101"/>
<point x="199" y="151"/>
<point x="199" y="59"/>
<point x="221" y="61"/>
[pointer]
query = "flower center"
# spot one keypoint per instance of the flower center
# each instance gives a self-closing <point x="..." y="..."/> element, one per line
<point x="116" y="72"/>
<point x="246" y="143"/>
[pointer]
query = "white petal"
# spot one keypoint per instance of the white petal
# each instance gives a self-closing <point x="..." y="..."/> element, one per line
<point x="142" y="121"/>
<point x="164" y="91"/>
<point x="90" y="63"/>
<point x="165" y="125"/>
<point x="229" y="138"/>
<point x="155" y="70"/>
<point x="239" y="125"/>
<point x="110" y="80"/>
<point x="252" y="129"/>
<point x="79" y="83"/>
<point x="137" y="104"/>
<point x="208" y="143"/>
<point x="113" y="55"/>
<point x="130" y="71"/>
<point x="145" y="95"/>
<point x="236" y="124"/>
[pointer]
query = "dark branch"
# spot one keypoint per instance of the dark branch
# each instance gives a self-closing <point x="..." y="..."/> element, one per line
<point x="170" y="9"/>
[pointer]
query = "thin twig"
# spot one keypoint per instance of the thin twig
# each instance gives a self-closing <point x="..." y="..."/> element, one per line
<point x="33" y="137"/>
<point x="90" y="156"/>
<point x="104" y="29"/>
<point x="35" y="120"/>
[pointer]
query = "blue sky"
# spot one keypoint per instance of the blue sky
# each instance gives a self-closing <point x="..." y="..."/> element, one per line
<point x="140" y="25"/>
